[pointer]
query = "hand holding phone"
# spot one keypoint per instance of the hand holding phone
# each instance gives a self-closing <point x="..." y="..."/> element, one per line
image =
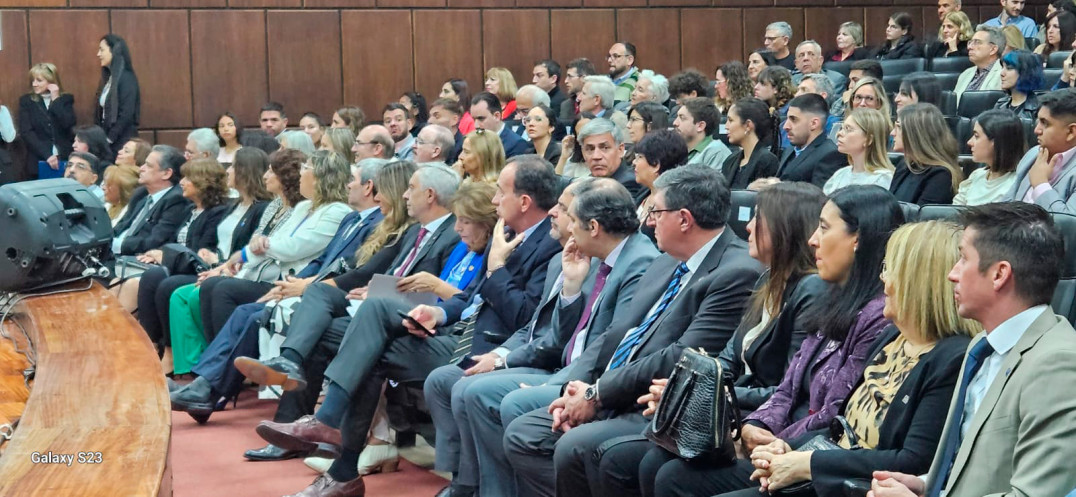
<point x="414" y="324"/>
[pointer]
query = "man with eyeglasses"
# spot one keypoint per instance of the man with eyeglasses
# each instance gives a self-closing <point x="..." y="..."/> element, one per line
<point x="433" y="144"/>
<point x="622" y="70"/>
<point x="527" y="98"/>
<point x="984" y="50"/>
<point x="202" y="143"/>
<point x="777" y="37"/>
<point x="374" y="141"/>
<point x="82" y="167"/>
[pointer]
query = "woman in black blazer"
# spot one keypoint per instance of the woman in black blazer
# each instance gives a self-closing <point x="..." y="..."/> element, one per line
<point x="749" y="122"/>
<point x="929" y="173"/>
<point x="46" y="119"/>
<point x="118" y="103"/>
<point x="898" y="409"/>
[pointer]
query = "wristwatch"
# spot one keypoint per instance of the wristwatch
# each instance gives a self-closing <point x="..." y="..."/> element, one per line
<point x="591" y="394"/>
<point x="498" y="363"/>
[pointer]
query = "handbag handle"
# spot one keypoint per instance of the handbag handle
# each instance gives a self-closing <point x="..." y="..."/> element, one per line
<point x="661" y="423"/>
<point x="734" y="406"/>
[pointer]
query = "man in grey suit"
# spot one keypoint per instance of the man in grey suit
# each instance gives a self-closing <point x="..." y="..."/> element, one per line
<point x="1046" y="175"/>
<point x="695" y="296"/>
<point x="1011" y="428"/>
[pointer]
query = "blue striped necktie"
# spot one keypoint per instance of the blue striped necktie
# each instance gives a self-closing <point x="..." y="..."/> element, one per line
<point x="623" y="351"/>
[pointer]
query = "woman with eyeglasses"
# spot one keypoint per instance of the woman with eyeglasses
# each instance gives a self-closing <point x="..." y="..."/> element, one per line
<point x="644" y="118"/>
<point x="539" y="122"/>
<point x="929" y="173"/>
<point x="862" y="137"/>
<point x="868" y="93"/>
<point x="1021" y="77"/>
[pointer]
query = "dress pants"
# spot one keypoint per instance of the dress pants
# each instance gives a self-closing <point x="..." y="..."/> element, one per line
<point x="445" y="390"/>
<point x="238" y="337"/>
<point x="536" y="452"/>
<point x="219" y="297"/>
<point x="313" y="316"/>
<point x="619" y="466"/>
<point x="665" y="475"/>
<point x="155" y="287"/>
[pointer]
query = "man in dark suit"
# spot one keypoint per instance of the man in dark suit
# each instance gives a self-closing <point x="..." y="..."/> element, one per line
<point x="447" y="112"/>
<point x="603" y="150"/>
<point x="158" y="209"/>
<point x="813" y="157"/>
<point x="380" y="345"/>
<point x="547" y="77"/>
<point x="695" y="297"/>
<point x="486" y="111"/>
<point x="602" y="221"/>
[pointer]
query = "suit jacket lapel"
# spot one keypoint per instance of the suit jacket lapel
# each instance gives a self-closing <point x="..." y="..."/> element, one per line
<point x="407" y="242"/>
<point x="645" y="298"/>
<point x="426" y="247"/>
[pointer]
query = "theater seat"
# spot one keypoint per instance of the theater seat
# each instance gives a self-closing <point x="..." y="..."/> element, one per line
<point x="967" y="164"/>
<point x="1064" y="301"/>
<point x="948" y="103"/>
<point x="911" y="211"/>
<point x="973" y="103"/>
<point x="893" y="71"/>
<point x="947" y="81"/>
<point x="949" y="65"/>
<point x="939" y="212"/>
<point x="742" y="210"/>
<point x="843" y="67"/>
<point x="1029" y="132"/>
<point x="1057" y="59"/>
<point x="1051" y="76"/>
<point x="961" y="128"/>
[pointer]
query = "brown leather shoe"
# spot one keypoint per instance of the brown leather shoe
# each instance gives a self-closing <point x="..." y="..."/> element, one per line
<point x="325" y="486"/>
<point x="306" y="434"/>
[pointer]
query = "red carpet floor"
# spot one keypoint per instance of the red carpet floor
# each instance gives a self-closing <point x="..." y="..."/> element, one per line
<point x="207" y="460"/>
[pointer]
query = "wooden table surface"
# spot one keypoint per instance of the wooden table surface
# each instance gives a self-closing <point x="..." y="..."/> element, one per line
<point x="99" y="404"/>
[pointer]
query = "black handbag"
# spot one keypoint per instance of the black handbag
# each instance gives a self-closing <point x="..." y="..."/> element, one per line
<point x="828" y="441"/>
<point x="697" y="414"/>
<point x="179" y="259"/>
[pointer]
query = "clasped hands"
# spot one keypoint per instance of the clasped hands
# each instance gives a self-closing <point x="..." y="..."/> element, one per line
<point x="571" y="409"/>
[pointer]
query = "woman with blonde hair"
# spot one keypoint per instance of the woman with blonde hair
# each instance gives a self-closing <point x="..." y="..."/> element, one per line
<point x="953" y="36"/>
<point x="500" y="82"/>
<point x="862" y="137"/>
<point x="1014" y="39"/>
<point x="350" y="117"/>
<point x="929" y="173"/>
<point x="868" y="93"/>
<point x="339" y="141"/>
<point x="118" y="185"/>
<point x="849" y="43"/>
<point x="481" y="158"/>
<point x="896" y="414"/>
<point x="46" y="119"/>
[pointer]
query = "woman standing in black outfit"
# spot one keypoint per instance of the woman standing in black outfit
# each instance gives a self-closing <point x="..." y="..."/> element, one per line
<point x="118" y="103"/>
<point x="46" y="119"/>
<point x="929" y="173"/>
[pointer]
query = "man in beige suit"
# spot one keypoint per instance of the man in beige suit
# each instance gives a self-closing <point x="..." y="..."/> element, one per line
<point x="984" y="50"/>
<point x="1011" y="428"/>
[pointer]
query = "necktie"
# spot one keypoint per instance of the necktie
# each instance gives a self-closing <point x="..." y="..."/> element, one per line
<point x="599" y="284"/>
<point x="463" y="348"/>
<point x="414" y="252"/>
<point x="623" y="351"/>
<point x="142" y="215"/>
<point x="976" y="357"/>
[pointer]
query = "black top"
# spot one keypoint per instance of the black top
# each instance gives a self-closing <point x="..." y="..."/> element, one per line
<point x="245" y="229"/>
<point x="202" y="231"/>
<point x="937" y="49"/>
<point x="762" y="164"/>
<point x="788" y="62"/>
<point x="43" y="128"/>
<point x="552" y="152"/>
<point x="124" y="104"/>
<point x="931" y="186"/>
<point x="906" y="48"/>
<point x="1028" y="109"/>
<point x="556" y="97"/>
<point x="815" y="164"/>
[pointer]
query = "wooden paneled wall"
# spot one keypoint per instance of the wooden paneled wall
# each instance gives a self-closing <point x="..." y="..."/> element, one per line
<point x="198" y="58"/>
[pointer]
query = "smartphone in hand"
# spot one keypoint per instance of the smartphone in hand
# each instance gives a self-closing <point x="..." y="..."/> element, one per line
<point x="414" y="322"/>
<point x="466" y="363"/>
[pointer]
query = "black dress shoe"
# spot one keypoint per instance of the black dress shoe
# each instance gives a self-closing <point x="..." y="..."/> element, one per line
<point x="271" y="453"/>
<point x="194" y="398"/>
<point x="275" y="371"/>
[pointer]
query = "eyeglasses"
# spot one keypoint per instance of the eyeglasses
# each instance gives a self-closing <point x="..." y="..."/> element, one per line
<point x="614" y="56"/>
<point x="651" y="211"/>
<point x="420" y="141"/>
<point x="867" y="99"/>
<point x="539" y="119"/>
<point x="361" y="143"/>
<point x="636" y="119"/>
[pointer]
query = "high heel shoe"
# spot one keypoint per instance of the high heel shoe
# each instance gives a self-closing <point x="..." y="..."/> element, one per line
<point x="379" y="459"/>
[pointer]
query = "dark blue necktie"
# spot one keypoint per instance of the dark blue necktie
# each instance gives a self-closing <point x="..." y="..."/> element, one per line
<point x="976" y="357"/>
<point x="623" y="351"/>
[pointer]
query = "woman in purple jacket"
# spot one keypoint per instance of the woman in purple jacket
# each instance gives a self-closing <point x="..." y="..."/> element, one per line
<point x="849" y="244"/>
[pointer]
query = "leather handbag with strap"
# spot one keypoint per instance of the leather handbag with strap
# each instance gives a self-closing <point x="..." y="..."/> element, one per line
<point x="698" y="414"/>
<point x="828" y="441"/>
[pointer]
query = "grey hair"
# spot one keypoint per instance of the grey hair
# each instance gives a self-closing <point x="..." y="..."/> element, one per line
<point x="538" y="95"/>
<point x="603" y="87"/>
<point x="206" y="141"/>
<point x="783" y="28"/>
<point x="370" y="166"/>
<point x="659" y="85"/>
<point x="823" y="84"/>
<point x="297" y="140"/>
<point x="608" y="203"/>
<point x="810" y="42"/>
<point x="442" y="180"/>
<point x="997" y="38"/>
<point x="601" y="126"/>
<point x="699" y="189"/>
<point x="855" y="30"/>
<point x="444" y="138"/>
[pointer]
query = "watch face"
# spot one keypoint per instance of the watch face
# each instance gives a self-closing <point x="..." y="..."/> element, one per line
<point x="589" y="393"/>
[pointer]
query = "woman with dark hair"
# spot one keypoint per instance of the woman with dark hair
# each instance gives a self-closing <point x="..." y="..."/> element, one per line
<point x="929" y="173"/>
<point x="997" y="142"/>
<point x="768" y="336"/>
<point x="118" y="101"/>
<point x="645" y="117"/>
<point x="313" y="127"/>
<point x="731" y="83"/>
<point x="659" y="151"/>
<point x="1060" y="33"/>
<point x="899" y="40"/>
<point x="918" y="87"/>
<point x="759" y="60"/>
<point x="1021" y="77"/>
<point x="749" y="122"/>
<point x="540" y="123"/>
<point x="46" y="119"/>
<point x="456" y="89"/>
<point x="134" y="153"/>
<point x="92" y="139"/>
<point x="350" y="117"/>
<point x="229" y="132"/>
<point x="571" y="162"/>
<point x="953" y="35"/>
<point x="416" y="105"/>
<point x="849" y="248"/>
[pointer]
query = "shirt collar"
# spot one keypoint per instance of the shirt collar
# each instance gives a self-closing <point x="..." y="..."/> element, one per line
<point x="530" y="231"/>
<point x="1065" y="157"/>
<point x="600" y="113"/>
<point x="985" y="69"/>
<point x="365" y="213"/>
<point x="159" y="195"/>
<point x="631" y="70"/>
<point x="610" y="260"/>
<point x="436" y="223"/>
<point x="1004" y="337"/>
<point x="696" y="259"/>
<point x="703" y="144"/>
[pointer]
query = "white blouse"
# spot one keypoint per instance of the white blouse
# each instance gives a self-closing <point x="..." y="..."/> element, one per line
<point x="845" y="177"/>
<point x="979" y="190"/>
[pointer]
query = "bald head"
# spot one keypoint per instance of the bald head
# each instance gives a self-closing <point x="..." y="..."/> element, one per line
<point x="374" y="141"/>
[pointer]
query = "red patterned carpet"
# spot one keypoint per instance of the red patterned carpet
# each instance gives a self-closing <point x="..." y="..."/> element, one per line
<point x="207" y="460"/>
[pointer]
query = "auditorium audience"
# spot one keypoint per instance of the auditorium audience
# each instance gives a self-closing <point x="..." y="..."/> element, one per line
<point x="416" y="105"/>
<point x="953" y="36"/>
<point x="602" y="143"/>
<point x="748" y="125"/>
<point x="820" y="85"/>
<point x="527" y="98"/>
<point x="46" y="119"/>
<point x="812" y="156"/>
<point x="622" y="70"/>
<point x="540" y="123"/>
<point x="596" y="97"/>
<point x="373" y="141"/>
<point x="119" y="184"/>
<point x="984" y="51"/>
<point x="354" y="119"/>
<point x="771" y="330"/>
<point x="929" y="173"/>
<point x="82" y="167"/>
<point x="399" y="122"/>
<point x="809" y="61"/>
<point x="899" y="41"/>
<point x="686" y="84"/>
<point x="229" y="133"/>
<point x="863" y="137"/>
<point x="997" y="142"/>
<point x="697" y="121"/>
<point x="776" y="39"/>
<point x="119" y="102"/>
<point x="501" y="83"/>
<point x="481" y="159"/>
<point x="574" y="73"/>
<point x="1021" y="78"/>
<point x="311" y="124"/>
<point x="650" y="87"/>
<point x="849" y="43"/>
<point x="434" y="144"/>
<point x="657" y="152"/>
<point x="259" y="139"/>
<point x="1010" y="15"/>
<point x="918" y="87"/>
<point x="1013" y="39"/>
<point x="546" y="75"/>
<point x="457" y="89"/>
<point x="731" y="83"/>
<point x="1060" y="33"/>
<point x="133" y="153"/>
<point x="202" y="143"/>
<point x="272" y="119"/>
<point x="572" y="164"/>
<point x="774" y="86"/>
<point x="1045" y="174"/>
<point x="759" y="60"/>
